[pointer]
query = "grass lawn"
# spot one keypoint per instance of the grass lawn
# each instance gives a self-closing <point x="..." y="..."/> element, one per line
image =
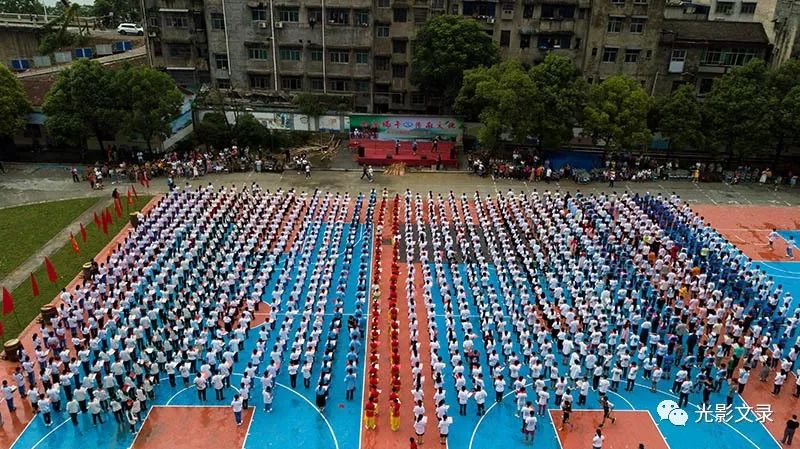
<point x="67" y="264"/>
<point x="25" y="229"/>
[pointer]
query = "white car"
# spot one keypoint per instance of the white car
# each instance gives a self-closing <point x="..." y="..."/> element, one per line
<point x="130" y="28"/>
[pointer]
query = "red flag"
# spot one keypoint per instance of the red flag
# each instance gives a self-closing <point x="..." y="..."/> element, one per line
<point x="118" y="207"/>
<point x="83" y="233"/>
<point x="133" y="187"/>
<point x="8" y="302"/>
<point x="34" y="285"/>
<point x="52" y="276"/>
<point x="74" y="244"/>
<point x="130" y="199"/>
<point x="97" y="221"/>
<point x="110" y="216"/>
<point x="105" y="227"/>
<point x="2" y="329"/>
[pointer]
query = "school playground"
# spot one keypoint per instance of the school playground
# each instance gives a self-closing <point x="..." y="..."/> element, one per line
<point x="177" y="420"/>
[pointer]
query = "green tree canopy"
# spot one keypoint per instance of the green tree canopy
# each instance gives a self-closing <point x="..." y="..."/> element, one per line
<point x="213" y="130"/>
<point x="13" y="103"/>
<point x="681" y="118"/>
<point x="446" y="47"/>
<point x="250" y="132"/>
<point x="784" y="83"/>
<point x="616" y="112"/>
<point x="148" y="100"/>
<point x="561" y="96"/>
<point x="81" y="104"/>
<point x="738" y="109"/>
<point x="22" y="6"/>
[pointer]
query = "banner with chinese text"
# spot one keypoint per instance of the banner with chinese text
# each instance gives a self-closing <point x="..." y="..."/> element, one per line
<point x="391" y="127"/>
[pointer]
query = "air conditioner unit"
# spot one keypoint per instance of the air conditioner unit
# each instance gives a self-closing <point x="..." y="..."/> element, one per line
<point x="490" y="20"/>
<point x="262" y="25"/>
<point x="278" y="25"/>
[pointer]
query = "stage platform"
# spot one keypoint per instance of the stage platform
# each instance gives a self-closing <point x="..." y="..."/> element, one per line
<point x="383" y="152"/>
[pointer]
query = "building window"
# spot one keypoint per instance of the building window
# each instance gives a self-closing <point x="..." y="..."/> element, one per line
<point x="724" y="8"/>
<point x="217" y="21"/>
<point x="339" y="85"/>
<point x="362" y="85"/>
<point x="417" y="98"/>
<point x="617" y="2"/>
<point x="257" y="52"/>
<point x="221" y="61"/>
<point x="362" y="17"/>
<point x="615" y="24"/>
<point x="362" y="57"/>
<point x="223" y="83"/>
<point x="400" y="14"/>
<point x="382" y="31"/>
<point x="594" y="51"/>
<point x="399" y="46"/>
<point x="398" y="71"/>
<point x="289" y="14"/>
<point x="637" y="25"/>
<point x="314" y="15"/>
<point x="179" y="50"/>
<point x="382" y="63"/>
<point x="549" y="41"/>
<point x="339" y="56"/>
<point x="316" y="55"/>
<point x="505" y="38"/>
<point x="748" y="8"/>
<point x="338" y="16"/>
<point x="524" y="41"/>
<point x="677" y="60"/>
<point x="176" y="21"/>
<point x="705" y="85"/>
<point x="398" y="97"/>
<point x="317" y="84"/>
<point x="527" y="11"/>
<point x="289" y="54"/>
<point x="610" y="54"/>
<point x="420" y="15"/>
<point x="384" y="3"/>
<point x="292" y="82"/>
<point x="558" y="11"/>
<point x="639" y="2"/>
<point x="259" y="82"/>
<point x="258" y="14"/>
<point x="632" y="54"/>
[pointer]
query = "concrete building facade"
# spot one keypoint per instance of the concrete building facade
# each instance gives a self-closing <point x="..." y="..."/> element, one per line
<point x="361" y="50"/>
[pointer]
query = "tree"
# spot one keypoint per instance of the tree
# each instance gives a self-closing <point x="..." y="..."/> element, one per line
<point x="561" y="96"/>
<point x="616" y="113"/>
<point x="507" y="96"/>
<point x="22" y="6"/>
<point x="312" y="105"/>
<point x="79" y="104"/>
<point x="784" y="84"/>
<point x="446" y="47"/>
<point x="738" y="109"/>
<point x="148" y="100"/>
<point x="250" y="132"/>
<point x="114" y="11"/>
<point x="680" y="118"/>
<point x="14" y="104"/>
<point x="213" y="130"/>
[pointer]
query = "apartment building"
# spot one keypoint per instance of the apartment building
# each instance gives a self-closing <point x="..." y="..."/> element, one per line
<point x="361" y="50"/>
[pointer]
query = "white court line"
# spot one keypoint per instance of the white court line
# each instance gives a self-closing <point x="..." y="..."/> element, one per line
<point x="766" y="264"/>
<point x="23" y="431"/>
<point x="249" y="425"/>
<point x="657" y="428"/>
<point x="140" y="428"/>
<point x="762" y="423"/>
<point x="50" y="433"/>
<point x="552" y="423"/>
<point x="698" y="407"/>
<point x="475" y="430"/>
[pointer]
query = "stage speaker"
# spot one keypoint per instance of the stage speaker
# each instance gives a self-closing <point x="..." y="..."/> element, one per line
<point x="361" y="151"/>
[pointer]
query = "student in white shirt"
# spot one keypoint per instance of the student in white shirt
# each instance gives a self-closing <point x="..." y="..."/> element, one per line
<point x="444" y="428"/>
<point x="236" y="406"/>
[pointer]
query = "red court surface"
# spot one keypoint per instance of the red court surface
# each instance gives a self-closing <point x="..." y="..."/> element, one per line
<point x="192" y="428"/>
<point x="748" y="226"/>
<point x="382" y="152"/>
<point x="631" y="429"/>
